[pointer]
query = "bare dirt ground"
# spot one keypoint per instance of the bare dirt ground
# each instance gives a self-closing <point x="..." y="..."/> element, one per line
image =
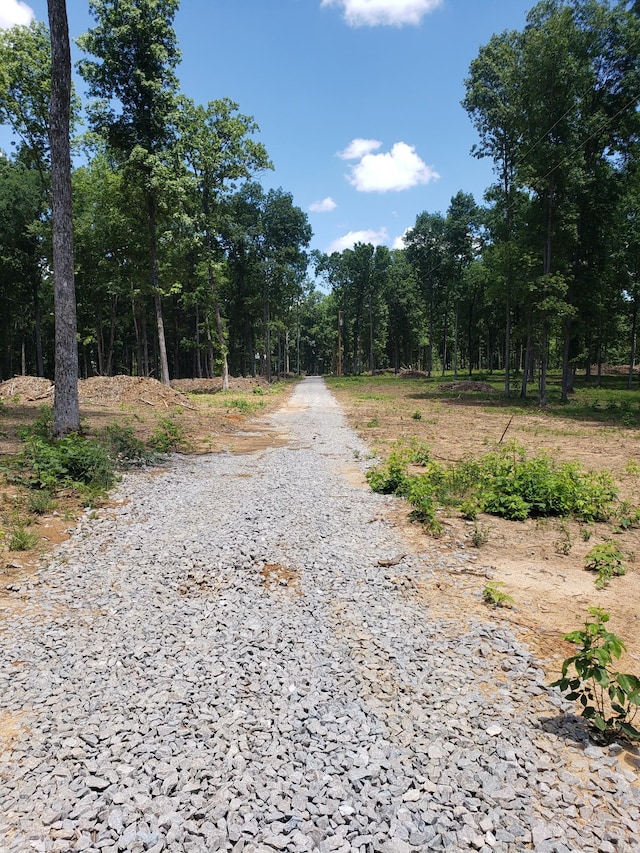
<point x="540" y="562"/>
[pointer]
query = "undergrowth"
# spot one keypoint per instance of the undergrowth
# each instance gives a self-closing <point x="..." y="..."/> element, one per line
<point x="506" y="482"/>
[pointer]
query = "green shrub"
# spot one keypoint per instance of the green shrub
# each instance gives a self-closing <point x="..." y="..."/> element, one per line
<point x="124" y="447"/>
<point x="21" y="539"/>
<point x="606" y="560"/>
<point x="40" y="502"/>
<point x="492" y="594"/>
<point x="168" y="436"/>
<point x="515" y="486"/>
<point x="70" y="461"/>
<point x="609" y="699"/>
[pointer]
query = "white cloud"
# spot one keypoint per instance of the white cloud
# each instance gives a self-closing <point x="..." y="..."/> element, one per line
<point x="325" y="205"/>
<point x="14" y="13"/>
<point x="399" y="242"/>
<point x="392" y="171"/>
<point x="373" y="13"/>
<point x="357" y="149"/>
<point x="376" y="238"/>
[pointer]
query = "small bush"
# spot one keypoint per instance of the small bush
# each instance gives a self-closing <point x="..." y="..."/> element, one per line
<point x="124" y="447"/>
<point x="70" y="461"/>
<point x="21" y="539"/>
<point x="492" y="594"/>
<point x="607" y="561"/>
<point x="609" y="699"/>
<point x="168" y="436"/>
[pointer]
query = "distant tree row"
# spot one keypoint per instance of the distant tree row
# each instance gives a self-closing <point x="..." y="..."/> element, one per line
<point x="186" y="266"/>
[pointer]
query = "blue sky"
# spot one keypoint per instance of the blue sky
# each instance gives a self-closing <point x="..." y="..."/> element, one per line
<point x="358" y="101"/>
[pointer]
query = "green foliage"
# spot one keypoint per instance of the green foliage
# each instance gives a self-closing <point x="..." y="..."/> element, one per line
<point x="505" y="482"/>
<point x="244" y="405"/>
<point x="515" y="486"/>
<point x="609" y="699"/>
<point x="417" y="415"/>
<point x="605" y="559"/>
<point x="124" y="447"/>
<point x="168" y="436"/>
<point x="626" y="516"/>
<point x="72" y="461"/>
<point x="494" y="595"/>
<point x="22" y="539"/>
<point x="40" y="502"/>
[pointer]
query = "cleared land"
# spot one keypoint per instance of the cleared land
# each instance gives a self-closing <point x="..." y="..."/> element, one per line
<point x="541" y="562"/>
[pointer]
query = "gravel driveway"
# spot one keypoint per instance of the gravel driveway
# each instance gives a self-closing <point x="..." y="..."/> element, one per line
<point x="220" y="663"/>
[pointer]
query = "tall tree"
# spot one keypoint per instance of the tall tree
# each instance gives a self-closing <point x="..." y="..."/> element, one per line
<point x="219" y="152"/>
<point x="134" y="77"/>
<point x="66" y="410"/>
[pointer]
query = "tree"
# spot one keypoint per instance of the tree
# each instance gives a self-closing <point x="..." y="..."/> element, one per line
<point x="219" y="152"/>
<point x="66" y="411"/>
<point x="134" y="76"/>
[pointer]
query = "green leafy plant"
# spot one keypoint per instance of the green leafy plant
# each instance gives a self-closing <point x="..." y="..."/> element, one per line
<point x="40" y="502"/>
<point x="70" y="461"/>
<point x="22" y="539"/>
<point x="494" y="595"/>
<point x="609" y="699"/>
<point x="417" y="415"/>
<point x="607" y="560"/>
<point x="168" y="436"/>
<point x="124" y="447"/>
<point x="563" y="543"/>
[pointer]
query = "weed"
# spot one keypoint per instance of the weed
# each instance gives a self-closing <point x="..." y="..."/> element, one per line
<point x="39" y="503"/>
<point x="609" y="699"/>
<point x="167" y="436"/>
<point x="563" y="543"/>
<point x="373" y="423"/>
<point x="22" y="539"/>
<point x="586" y="532"/>
<point x="493" y="594"/>
<point x="479" y="535"/>
<point x="417" y="415"/>
<point x="124" y="447"/>
<point x="632" y="468"/>
<point x="606" y="560"/>
<point x="626" y="516"/>
<point x="71" y="461"/>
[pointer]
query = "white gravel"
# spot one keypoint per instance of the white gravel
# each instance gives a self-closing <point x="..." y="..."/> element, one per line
<point x="221" y="664"/>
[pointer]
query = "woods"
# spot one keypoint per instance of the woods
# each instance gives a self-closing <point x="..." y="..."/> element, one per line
<point x="186" y="266"/>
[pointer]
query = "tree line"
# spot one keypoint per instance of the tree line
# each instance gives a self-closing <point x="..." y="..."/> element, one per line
<point x="186" y="266"/>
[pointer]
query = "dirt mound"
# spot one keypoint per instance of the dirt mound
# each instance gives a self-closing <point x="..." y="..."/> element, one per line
<point x="468" y="385"/>
<point x="614" y="369"/>
<point x="130" y="390"/>
<point x="23" y="389"/>
<point x="213" y="386"/>
<point x="413" y="374"/>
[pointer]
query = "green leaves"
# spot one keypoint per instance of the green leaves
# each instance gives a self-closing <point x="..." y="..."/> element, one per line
<point x="606" y="560"/>
<point x="609" y="699"/>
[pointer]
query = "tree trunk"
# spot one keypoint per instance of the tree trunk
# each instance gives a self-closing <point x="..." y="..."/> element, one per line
<point x="66" y="410"/>
<point x="634" y="339"/>
<point x="372" y="365"/>
<point x="222" y="343"/>
<point x="155" y="287"/>
<point x="566" y="368"/>
<point x="37" y="315"/>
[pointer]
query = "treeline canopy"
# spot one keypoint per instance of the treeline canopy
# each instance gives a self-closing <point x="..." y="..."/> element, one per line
<point x="187" y="266"/>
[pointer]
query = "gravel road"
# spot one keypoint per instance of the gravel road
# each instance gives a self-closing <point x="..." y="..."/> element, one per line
<point x="219" y="663"/>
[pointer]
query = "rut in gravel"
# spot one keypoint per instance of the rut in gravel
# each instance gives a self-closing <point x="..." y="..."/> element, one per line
<point x="221" y="663"/>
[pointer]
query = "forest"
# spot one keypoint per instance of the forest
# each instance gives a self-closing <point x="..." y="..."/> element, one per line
<point x="185" y="266"/>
